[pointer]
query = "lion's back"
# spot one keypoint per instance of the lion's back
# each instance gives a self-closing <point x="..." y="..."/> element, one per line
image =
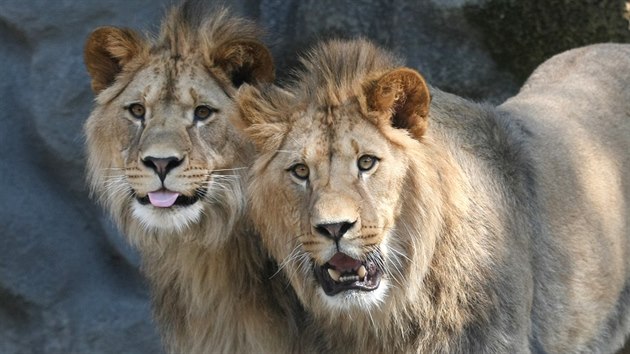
<point x="576" y="110"/>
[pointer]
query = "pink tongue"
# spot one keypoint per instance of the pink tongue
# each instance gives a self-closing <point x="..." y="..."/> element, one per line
<point x="344" y="263"/>
<point x="163" y="199"/>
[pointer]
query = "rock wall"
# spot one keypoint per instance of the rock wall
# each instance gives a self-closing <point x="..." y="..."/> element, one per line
<point x="68" y="283"/>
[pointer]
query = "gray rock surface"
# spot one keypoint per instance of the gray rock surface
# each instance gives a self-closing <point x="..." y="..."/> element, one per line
<point x="68" y="283"/>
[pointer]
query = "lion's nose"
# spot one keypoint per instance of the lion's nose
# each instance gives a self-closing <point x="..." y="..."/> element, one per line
<point x="334" y="231"/>
<point x="161" y="165"/>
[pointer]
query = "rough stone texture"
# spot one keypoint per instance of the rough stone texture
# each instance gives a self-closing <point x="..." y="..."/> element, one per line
<point x="559" y="25"/>
<point x="68" y="283"/>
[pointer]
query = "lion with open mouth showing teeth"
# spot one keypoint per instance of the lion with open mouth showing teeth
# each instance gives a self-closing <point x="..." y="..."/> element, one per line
<point x="411" y="220"/>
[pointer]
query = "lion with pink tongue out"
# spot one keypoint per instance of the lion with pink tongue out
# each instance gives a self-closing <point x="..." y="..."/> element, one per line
<point x="166" y="162"/>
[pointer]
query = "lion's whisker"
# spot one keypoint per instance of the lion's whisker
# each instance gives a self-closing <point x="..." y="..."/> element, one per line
<point x="230" y="169"/>
<point x="292" y="256"/>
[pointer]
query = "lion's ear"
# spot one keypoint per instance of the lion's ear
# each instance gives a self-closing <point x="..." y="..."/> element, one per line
<point x="260" y="115"/>
<point x="245" y="61"/>
<point x="403" y="93"/>
<point x="107" y="51"/>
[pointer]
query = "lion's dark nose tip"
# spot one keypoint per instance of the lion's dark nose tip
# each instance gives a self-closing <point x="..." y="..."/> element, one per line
<point x="162" y="165"/>
<point x="334" y="231"/>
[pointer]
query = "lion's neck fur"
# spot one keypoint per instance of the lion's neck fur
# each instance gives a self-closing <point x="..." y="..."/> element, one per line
<point x="217" y="297"/>
<point x="219" y="294"/>
<point x="449" y="221"/>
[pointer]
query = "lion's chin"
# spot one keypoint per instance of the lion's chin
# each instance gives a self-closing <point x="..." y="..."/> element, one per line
<point x="176" y="218"/>
<point x="354" y="301"/>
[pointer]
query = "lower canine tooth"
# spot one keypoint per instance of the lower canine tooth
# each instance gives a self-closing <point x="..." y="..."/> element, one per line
<point x="349" y="278"/>
<point x="334" y="274"/>
<point x="362" y="272"/>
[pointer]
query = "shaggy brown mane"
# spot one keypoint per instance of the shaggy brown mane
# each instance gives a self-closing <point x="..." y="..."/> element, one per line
<point x="195" y="25"/>
<point x="334" y="72"/>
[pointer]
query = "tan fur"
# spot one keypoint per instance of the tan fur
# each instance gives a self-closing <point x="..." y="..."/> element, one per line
<point x="213" y="289"/>
<point x="498" y="230"/>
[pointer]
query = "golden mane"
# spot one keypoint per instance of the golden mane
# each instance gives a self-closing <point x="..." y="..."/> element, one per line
<point x="195" y="26"/>
<point x="334" y="72"/>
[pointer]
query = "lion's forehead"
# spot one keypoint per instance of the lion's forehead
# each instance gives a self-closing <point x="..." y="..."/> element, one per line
<point x="176" y="82"/>
<point x="323" y="145"/>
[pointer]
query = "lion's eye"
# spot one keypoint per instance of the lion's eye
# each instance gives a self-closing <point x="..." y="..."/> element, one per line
<point x="300" y="171"/>
<point x="137" y="110"/>
<point x="203" y="112"/>
<point x="366" y="162"/>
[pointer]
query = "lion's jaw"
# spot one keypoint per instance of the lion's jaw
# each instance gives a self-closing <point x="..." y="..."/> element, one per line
<point x="164" y="170"/>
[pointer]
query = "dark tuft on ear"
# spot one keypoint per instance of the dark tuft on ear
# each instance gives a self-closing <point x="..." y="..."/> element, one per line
<point x="107" y="51"/>
<point x="245" y="62"/>
<point x="404" y="93"/>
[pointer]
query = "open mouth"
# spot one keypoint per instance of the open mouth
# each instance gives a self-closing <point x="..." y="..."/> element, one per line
<point x="343" y="272"/>
<point x="166" y="199"/>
